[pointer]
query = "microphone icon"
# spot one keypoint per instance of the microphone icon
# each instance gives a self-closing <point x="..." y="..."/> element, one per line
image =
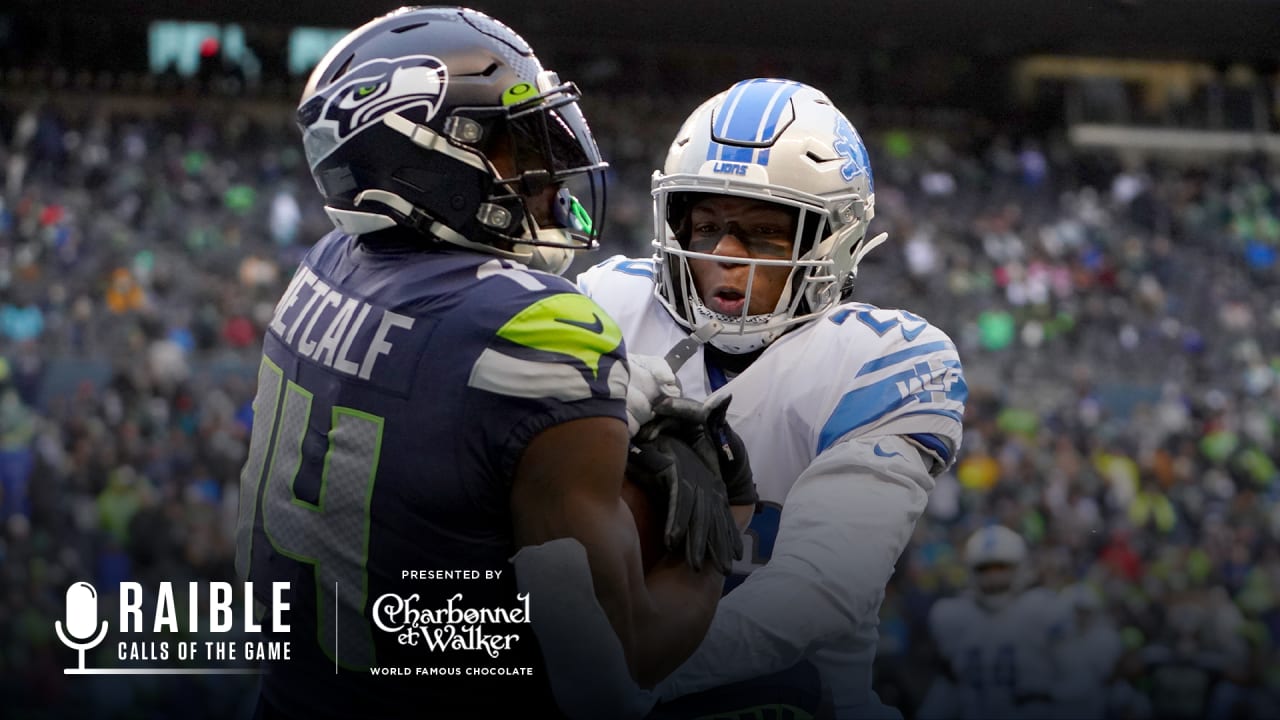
<point x="82" y="617"/>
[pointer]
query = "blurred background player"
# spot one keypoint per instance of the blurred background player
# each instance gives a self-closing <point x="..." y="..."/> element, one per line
<point x="1000" y="644"/>
<point x="848" y="410"/>
<point x="1090" y="652"/>
<point x="433" y="397"/>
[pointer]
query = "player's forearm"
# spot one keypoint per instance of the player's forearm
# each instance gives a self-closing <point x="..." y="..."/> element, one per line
<point x="844" y="525"/>
<point x="669" y="627"/>
<point x="767" y="629"/>
<point x="586" y="662"/>
<point x="659" y="616"/>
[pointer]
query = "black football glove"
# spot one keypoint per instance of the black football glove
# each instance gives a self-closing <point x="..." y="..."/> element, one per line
<point x="690" y="420"/>
<point x="674" y="459"/>
<point x="731" y="453"/>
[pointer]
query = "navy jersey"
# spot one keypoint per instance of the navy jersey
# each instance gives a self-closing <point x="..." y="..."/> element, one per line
<point x="397" y="391"/>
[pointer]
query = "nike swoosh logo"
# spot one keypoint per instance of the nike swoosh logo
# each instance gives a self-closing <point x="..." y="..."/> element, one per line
<point x="878" y="451"/>
<point x="595" y="327"/>
<point x="914" y="332"/>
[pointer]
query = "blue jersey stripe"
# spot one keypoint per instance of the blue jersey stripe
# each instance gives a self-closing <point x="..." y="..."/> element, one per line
<point x="932" y="442"/>
<point x="862" y="406"/>
<point x="881" y="363"/>
<point x="866" y="405"/>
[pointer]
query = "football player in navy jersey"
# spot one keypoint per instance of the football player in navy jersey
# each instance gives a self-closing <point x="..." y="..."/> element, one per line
<point x="439" y="437"/>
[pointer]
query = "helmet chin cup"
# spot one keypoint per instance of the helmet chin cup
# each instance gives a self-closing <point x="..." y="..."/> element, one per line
<point x="738" y="344"/>
<point x="738" y="335"/>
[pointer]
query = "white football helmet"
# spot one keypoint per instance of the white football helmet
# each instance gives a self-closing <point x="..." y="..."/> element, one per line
<point x="997" y="545"/>
<point x="778" y="141"/>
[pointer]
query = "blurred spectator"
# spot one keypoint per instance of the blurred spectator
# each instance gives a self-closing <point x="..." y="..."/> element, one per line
<point x="17" y="428"/>
<point x="124" y="294"/>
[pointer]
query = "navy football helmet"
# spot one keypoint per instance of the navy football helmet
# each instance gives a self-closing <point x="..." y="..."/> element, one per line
<point x="442" y="120"/>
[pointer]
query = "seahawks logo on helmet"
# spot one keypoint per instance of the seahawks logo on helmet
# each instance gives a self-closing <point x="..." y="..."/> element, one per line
<point x="365" y="94"/>
<point x="849" y="146"/>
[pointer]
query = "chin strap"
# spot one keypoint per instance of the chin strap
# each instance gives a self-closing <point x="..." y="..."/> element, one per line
<point x="680" y="353"/>
<point x="867" y="247"/>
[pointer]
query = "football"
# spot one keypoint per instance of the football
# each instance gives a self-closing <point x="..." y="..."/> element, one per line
<point x="649" y="514"/>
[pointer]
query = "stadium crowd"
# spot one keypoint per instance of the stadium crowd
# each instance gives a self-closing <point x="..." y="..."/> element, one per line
<point x="1118" y="322"/>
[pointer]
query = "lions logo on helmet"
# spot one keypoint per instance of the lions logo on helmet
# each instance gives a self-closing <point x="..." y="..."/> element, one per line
<point x="849" y="145"/>
<point x="369" y="92"/>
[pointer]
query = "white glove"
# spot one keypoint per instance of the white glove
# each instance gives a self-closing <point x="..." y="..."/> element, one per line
<point x="651" y="379"/>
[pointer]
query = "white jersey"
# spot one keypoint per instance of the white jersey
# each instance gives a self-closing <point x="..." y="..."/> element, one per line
<point x="1089" y="658"/>
<point x="1004" y="664"/>
<point x="855" y="412"/>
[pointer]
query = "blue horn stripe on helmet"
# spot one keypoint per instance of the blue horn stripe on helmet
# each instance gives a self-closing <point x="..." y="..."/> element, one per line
<point x="749" y="115"/>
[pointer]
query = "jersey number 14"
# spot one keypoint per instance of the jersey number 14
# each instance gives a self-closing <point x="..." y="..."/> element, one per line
<point x="331" y="534"/>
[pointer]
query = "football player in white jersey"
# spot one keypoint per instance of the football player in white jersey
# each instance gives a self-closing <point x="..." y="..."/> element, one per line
<point x="1000" y="643"/>
<point x="1090" y="654"/>
<point x="848" y="411"/>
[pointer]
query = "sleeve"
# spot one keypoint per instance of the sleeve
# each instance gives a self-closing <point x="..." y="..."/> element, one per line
<point x="844" y="525"/>
<point x="589" y="280"/>
<point x="599" y="278"/>
<point x="559" y="358"/>
<point x="912" y="386"/>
